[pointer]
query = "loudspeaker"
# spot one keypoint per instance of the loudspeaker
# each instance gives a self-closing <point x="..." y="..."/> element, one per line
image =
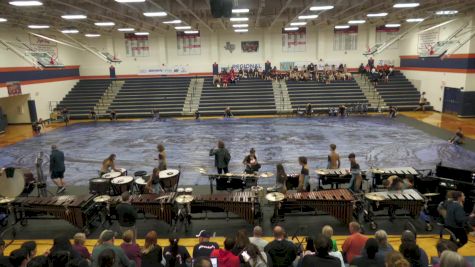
<point x="221" y="8"/>
<point x="32" y="109"/>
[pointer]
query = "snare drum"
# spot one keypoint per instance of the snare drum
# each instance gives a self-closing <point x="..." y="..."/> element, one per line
<point x="189" y="191"/>
<point x="141" y="185"/>
<point x="180" y="191"/>
<point x="169" y="179"/>
<point x="122" y="184"/>
<point x="99" y="186"/>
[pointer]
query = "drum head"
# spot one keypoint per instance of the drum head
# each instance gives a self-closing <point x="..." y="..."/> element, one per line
<point x="188" y="190"/>
<point x="98" y="180"/>
<point x="122" y="170"/>
<point x="140" y="181"/>
<point x="180" y="190"/>
<point x="168" y="173"/>
<point x="111" y="175"/>
<point x="102" y="198"/>
<point x="11" y="186"/>
<point x="122" y="180"/>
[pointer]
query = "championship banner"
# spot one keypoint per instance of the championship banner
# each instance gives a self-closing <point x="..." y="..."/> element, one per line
<point x="427" y="40"/>
<point x="294" y="41"/>
<point x="164" y="70"/>
<point x="345" y="39"/>
<point x="42" y="45"/>
<point x="250" y="46"/>
<point x="14" y="88"/>
<point x="136" y="45"/>
<point x="188" y="44"/>
<point x="384" y="34"/>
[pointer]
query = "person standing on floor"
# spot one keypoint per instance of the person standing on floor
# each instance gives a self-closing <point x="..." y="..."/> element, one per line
<point x="57" y="168"/>
<point x="221" y="157"/>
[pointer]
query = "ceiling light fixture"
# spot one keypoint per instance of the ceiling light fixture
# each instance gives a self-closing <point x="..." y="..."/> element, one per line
<point x="415" y="20"/>
<point x="446" y="12"/>
<point x="126" y="29"/>
<point x="38" y="26"/>
<point x="240" y="25"/>
<point x="3" y="20"/>
<point x="74" y="16"/>
<point x="142" y="33"/>
<point x="340" y="27"/>
<point x="104" y="24"/>
<point x="356" y="21"/>
<point x="26" y="3"/>
<point x="182" y="27"/>
<point x="240" y="10"/>
<point x="155" y="14"/>
<point x="406" y="5"/>
<point x="129" y="1"/>
<point x="239" y="19"/>
<point x="392" y="25"/>
<point x="92" y="35"/>
<point x="241" y="30"/>
<point x="289" y="29"/>
<point x="374" y="15"/>
<point x="70" y="31"/>
<point x="176" y="21"/>
<point x="321" y="8"/>
<point x="192" y="32"/>
<point x="301" y="23"/>
<point x="308" y="17"/>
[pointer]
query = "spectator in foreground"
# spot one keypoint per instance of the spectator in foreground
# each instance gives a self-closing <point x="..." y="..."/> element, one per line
<point x="396" y="259"/>
<point x="62" y="244"/>
<point x="415" y="255"/>
<point x="59" y="258"/>
<point x="281" y="251"/>
<point x="383" y="246"/>
<point x="19" y="258"/>
<point x="368" y="257"/>
<point x="443" y="245"/>
<point x="202" y="262"/>
<point x="152" y="252"/>
<point x="127" y="214"/>
<point x="131" y="249"/>
<point x="38" y="261"/>
<point x="452" y="259"/>
<point x="107" y="258"/>
<point x="355" y="243"/>
<point x="78" y="246"/>
<point x="241" y="241"/>
<point x="327" y="231"/>
<point x="106" y="241"/>
<point x="78" y="263"/>
<point x="175" y="255"/>
<point x="456" y="219"/>
<point x="30" y="247"/>
<point x="253" y="256"/>
<point x="204" y="247"/>
<point x="225" y="257"/>
<point x="257" y="240"/>
<point x="323" y="245"/>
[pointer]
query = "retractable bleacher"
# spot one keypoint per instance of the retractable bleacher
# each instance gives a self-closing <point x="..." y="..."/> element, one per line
<point x="399" y="91"/>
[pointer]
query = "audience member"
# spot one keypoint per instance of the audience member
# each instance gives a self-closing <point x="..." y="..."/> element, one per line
<point x="368" y="256"/>
<point x="78" y="246"/>
<point x="30" y="247"/>
<point x="59" y="258"/>
<point x="241" y="241"/>
<point x="107" y="258"/>
<point x="19" y="257"/>
<point x="256" y="238"/>
<point x="253" y="256"/>
<point x="281" y="251"/>
<point x="451" y="259"/>
<point x="456" y="219"/>
<point x="126" y="214"/>
<point x="225" y="257"/>
<point x="106" y="241"/>
<point x="152" y="252"/>
<point x="175" y="255"/>
<point x="416" y="256"/>
<point x="443" y="245"/>
<point x="3" y="259"/>
<point x="458" y="137"/>
<point x="202" y="262"/>
<point x="322" y="245"/>
<point x="396" y="259"/>
<point x="204" y="247"/>
<point x="38" y="261"/>
<point x="131" y="249"/>
<point x="78" y="263"/>
<point x="327" y="231"/>
<point x="62" y="244"/>
<point x="383" y="246"/>
<point x="355" y="243"/>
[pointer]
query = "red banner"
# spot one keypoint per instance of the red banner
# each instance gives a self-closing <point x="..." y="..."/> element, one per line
<point x="351" y="29"/>
<point x="386" y="29"/>
<point x="14" y="88"/>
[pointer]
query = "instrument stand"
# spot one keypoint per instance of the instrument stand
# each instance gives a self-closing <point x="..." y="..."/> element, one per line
<point x="276" y="217"/>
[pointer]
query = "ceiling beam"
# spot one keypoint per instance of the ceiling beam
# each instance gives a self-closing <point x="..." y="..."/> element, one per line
<point x="307" y="4"/>
<point x="190" y="10"/>
<point x="262" y="4"/>
<point x="284" y="7"/>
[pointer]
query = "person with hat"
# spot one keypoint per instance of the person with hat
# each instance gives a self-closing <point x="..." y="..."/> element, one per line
<point x="204" y="247"/>
<point x="106" y="240"/>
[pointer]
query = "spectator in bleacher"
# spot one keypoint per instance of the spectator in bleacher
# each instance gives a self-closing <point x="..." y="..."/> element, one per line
<point x="225" y="257"/>
<point x="282" y="252"/>
<point x="392" y="111"/>
<point x="92" y="114"/>
<point x="384" y="247"/>
<point x="422" y="102"/>
<point x="65" y="114"/>
<point x="396" y="259"/>
<point x="202" y="262"/>
<point x="443" y="245"/>
<point x="456" y="219"/>
<point x="308" y="110"/>
<point x="62" y="243"/>
<point x="175" y="255"/>
<point x="371" y="62"/>
<point x="59" y="258"/>
<point x="452" y="259"/>
<point x="256" y="238"/>
<point x="327" y="231"/>
<point x="107" y="258"/>
<point x="361" y="69"/>
<point x="228" y="113"/>
<point x="241" y="241"/>
<point x="197" y="115"/>
<point x="106" y="241"/>
<point x="131" y="249"/>
<point x="151" y="252"/>
<point x="416" y="256"/>
<point x="204" y="247"/>
<point x="113" y="115"/>
<point x="19" y="258"/>
<point x="323" y="246"/>
<point x="355" y="243"/>
<point x="254" y="257"/>
<point x="30" y="246"/>
<point x="368" y="256"/>
<point x="38" y="261"/>
<point x="78" y="246"/>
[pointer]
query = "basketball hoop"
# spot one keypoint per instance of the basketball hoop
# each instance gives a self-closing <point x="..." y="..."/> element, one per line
<point x="54" y="56"/>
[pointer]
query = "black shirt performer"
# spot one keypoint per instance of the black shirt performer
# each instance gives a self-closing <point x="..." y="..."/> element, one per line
<point x="57" y="168"/>
<point x="221" y="157"/>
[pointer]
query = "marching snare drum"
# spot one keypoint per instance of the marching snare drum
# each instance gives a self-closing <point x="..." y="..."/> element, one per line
<point x="122" y="184"/>
<point x="99" y="186"/>
<point x="169" y="179"/>
<point x="189" y="191"/>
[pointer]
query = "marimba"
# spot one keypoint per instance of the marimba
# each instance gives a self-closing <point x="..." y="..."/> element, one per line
<point x="379" y="174"/>
<point x="244" y="204"/>
<point x="336" y="202"/>
<point x="335" y="176"/>
<point x="232" y="181"/>
<point x="80" y="211"/>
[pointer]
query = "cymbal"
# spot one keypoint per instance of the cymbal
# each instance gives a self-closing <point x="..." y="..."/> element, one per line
<point x="103" y="198"/>
<point x="275" y="197"/>
<point x="321" y="171"/>
<point x="374" y="197"/>
<point x="431" y="194"/>
<point x="11" y="186"/>
<point x="183" y="199"/>
<point x="5" y="200"/>
<point x="266" y="175"/>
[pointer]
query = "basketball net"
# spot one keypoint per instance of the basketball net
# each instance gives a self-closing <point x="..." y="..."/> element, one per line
<point x="54" y="57"/>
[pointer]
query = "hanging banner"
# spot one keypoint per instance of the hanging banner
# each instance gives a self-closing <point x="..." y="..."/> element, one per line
<point x="345" y="39"/>
<point x="188" y="44"/>
<point x="165" y="70"/>
<point x="14" y="88"/>
<point x="294" y="41"/>
<point x="136" y="45"/>
<point x="427" y="40"/>
<point x="42" y="45"/>
<point x="385" y="34"/>
<point x="250" y="46"/>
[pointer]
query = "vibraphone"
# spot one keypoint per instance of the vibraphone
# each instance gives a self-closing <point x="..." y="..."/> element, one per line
<point x="336" y="202"/>
<point x="244" y="204"/>
<point x="379" y="174"/>
<point x="80" y="211"/>
<point x="161" y="206"/>
<point x="232" y="181"/>
<point x="335" y="177"/>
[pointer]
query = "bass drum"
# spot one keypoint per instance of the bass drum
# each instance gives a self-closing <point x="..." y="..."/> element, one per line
<point x="12" y="182"/>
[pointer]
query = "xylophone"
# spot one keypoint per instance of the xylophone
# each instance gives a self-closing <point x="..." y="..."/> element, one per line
<point x="379" y="174"/>
<point x="161" y="206"/>
<point x="336" y="202"/>
<point x="243" y="204"/>
<point x="336" y="176"/>
<point x="80" y="211"/>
